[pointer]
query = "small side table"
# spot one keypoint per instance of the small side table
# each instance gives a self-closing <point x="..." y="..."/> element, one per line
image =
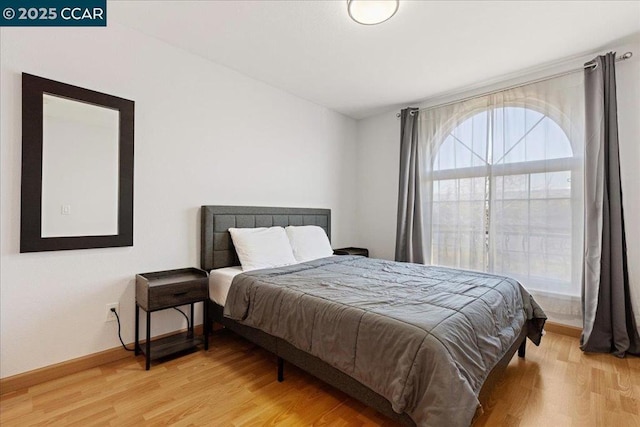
<point x="352" y="251"/>
<point x="169" y="289"/>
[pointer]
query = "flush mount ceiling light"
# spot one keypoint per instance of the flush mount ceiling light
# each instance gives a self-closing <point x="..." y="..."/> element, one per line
<point x="372" y="12"/>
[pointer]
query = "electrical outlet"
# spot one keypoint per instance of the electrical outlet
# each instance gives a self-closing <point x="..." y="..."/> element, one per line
<point x="110" y="315"/>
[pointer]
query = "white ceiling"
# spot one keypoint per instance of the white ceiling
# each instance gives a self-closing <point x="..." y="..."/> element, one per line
<point x="313" y="50"/>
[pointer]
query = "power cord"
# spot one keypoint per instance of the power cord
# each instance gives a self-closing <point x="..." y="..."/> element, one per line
<point x="185" y="316"/>
<point x="114" y="311"/>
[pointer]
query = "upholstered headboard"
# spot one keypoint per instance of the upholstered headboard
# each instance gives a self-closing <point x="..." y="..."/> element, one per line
<point x="216" y="247"/>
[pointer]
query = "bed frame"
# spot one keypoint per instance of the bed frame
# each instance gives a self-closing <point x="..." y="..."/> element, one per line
<point x="217" y="251"/>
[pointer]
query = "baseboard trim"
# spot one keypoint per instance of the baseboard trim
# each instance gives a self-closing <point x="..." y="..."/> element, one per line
<point x="59" y="370"/>
<point x="558" y="328"/>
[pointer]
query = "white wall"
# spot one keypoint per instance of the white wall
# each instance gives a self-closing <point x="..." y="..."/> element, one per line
<point x="203" y="135"/>
<point x="378" y="168"/>
<point x="379" y="146"/>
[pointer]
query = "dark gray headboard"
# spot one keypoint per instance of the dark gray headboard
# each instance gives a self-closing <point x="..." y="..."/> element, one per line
<point x="216" y="247"/>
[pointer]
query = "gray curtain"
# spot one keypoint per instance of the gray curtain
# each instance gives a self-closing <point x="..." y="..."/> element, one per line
<point x="409" y="234"/>
<point x="609" y="324"/>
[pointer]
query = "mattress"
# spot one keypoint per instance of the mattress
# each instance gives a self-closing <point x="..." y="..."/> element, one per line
<point x="220" y="281"/>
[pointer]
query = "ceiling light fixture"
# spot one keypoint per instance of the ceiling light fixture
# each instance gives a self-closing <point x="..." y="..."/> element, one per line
<point x="372" y="12"/>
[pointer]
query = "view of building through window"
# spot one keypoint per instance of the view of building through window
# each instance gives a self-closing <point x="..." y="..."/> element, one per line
<point x="502" y="196"/>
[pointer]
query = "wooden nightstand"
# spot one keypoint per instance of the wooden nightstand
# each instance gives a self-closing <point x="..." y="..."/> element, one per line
<point x="169" y="289"/>
<point x="352" y="251"/>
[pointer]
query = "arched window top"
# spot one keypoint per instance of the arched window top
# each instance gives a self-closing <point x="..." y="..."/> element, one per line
<point x="502" y="136"/>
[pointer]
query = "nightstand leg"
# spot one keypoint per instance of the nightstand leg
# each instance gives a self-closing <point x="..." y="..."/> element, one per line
<point x="205" y="324"/>
<point x="136" y="346"/>
<point x="190" y="329"/>
<point x="148" y="343"/>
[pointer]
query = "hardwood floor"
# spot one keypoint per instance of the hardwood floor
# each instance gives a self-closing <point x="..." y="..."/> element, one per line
<point x="234" y="383"/>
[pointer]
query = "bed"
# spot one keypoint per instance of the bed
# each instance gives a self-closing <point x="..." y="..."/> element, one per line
<point x="386" y="356"/>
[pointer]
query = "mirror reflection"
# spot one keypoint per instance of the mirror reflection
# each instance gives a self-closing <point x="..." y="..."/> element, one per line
<point x="80" y="160"/>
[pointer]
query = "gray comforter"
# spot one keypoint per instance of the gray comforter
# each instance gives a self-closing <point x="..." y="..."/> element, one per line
<point x="423" y="337"/>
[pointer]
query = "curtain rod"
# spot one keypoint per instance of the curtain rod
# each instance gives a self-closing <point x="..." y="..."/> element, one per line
<point x="589" y="64"/>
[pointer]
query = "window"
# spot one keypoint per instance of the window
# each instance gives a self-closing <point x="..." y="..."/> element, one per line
<point x="502" y="188"/>
<point x="505" y="197"/>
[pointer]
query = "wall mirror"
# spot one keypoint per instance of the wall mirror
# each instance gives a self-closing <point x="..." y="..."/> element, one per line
<point x="77" y="168"/>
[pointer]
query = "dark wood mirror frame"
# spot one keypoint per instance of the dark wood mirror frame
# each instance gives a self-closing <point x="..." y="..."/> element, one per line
<point x="31" y="240"/>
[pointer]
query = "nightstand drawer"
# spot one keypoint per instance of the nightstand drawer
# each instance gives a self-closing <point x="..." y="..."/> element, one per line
<point x="172" y="295"/>
<point x="156" y="291"/>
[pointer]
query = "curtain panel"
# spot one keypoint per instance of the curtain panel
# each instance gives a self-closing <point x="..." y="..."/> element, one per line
<point x="609" y="323"/>
<point x="410" y="229"/>
<point x="502" y="188"/>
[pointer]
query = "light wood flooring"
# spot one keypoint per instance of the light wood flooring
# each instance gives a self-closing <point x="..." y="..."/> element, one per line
<point x="234" y="384"/>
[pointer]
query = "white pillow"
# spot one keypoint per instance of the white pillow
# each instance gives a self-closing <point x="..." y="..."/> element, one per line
<point x="262" y="247"/>
<point x="308" y="242"/>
